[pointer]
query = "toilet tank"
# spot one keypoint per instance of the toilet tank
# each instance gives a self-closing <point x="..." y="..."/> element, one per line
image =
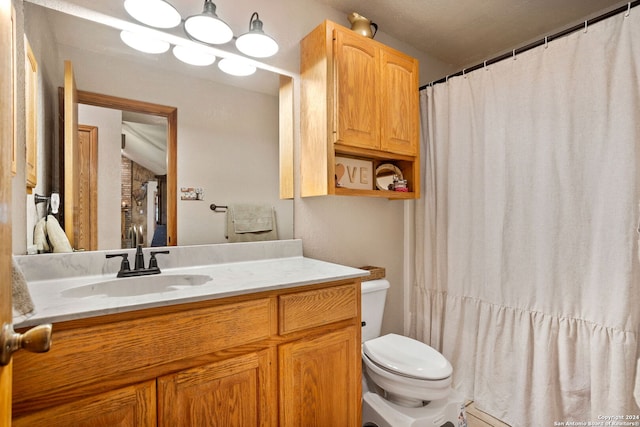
<point x="374" y="293"/>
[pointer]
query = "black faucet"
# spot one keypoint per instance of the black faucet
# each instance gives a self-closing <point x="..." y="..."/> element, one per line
<point x="138" y="270"/>
<point x="139" y="265"/>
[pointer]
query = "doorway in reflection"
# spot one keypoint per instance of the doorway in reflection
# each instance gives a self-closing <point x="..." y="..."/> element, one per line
<point x="132" y="207"/>
<point x="143" y="219"/>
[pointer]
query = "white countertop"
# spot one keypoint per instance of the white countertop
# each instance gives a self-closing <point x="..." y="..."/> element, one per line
<point x="55" y="303"/>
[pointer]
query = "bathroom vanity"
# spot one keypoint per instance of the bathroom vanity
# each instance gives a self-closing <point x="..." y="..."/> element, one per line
<point x="275" y="341"/>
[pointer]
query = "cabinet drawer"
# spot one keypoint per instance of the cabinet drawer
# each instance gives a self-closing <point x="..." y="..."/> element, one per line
<point x="98" y="353"/>
<point x="318" y="307"/>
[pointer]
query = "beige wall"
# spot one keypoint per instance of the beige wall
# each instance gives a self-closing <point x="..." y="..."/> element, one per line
<point x="348" y="230"/>
<point x="227" y="139"/>
<point x="227" y="143"/>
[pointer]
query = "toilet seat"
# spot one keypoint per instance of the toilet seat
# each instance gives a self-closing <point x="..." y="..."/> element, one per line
<point x="407" y="357"/>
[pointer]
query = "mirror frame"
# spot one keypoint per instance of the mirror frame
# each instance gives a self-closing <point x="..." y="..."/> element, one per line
<point x="170" y="113"/>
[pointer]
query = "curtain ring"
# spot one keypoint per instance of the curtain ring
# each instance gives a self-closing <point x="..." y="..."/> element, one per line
<point x="485" y="66"/>
<point x="546" y="42"/>
<point x="463" y="75"/>
<point x="628" y="10"/>
<point x="585" y="26"/>
<point x="514" y="54"/>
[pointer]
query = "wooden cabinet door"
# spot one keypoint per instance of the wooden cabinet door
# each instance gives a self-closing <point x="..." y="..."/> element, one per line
<point x="357" y="112"/>
<point x="399" y="104"/>
<point x="235" y="392"/>
<point x="133" y="406"/>
<point x="320" y="381"/>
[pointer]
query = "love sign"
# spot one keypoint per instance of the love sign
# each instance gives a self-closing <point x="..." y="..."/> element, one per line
<point x="354" y="173"/>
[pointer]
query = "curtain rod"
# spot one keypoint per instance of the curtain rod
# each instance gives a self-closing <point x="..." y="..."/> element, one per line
<point x="538" y="43"/>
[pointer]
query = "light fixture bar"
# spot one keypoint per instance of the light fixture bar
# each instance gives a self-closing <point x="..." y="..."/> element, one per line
<point x="82" y="12"/>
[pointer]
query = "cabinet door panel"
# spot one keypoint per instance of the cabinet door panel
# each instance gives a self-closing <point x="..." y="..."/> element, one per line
<point x="320" y="381"/>
<point x="357" y="111"/>
<point x="231" y="393"/>
<point x="400" y="104"/>
<point x="133" y="406"/>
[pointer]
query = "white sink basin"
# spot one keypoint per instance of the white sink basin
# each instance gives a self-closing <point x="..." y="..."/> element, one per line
<point x="140" y="285"/>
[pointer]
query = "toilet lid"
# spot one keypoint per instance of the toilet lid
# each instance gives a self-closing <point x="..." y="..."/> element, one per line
<point x="408" y="357"/>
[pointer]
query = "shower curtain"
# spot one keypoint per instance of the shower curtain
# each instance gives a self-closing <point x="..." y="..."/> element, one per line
<point x="527" y="275"/>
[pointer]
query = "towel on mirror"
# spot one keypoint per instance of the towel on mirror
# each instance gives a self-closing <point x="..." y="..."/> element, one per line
<point x="57" y="237"/>
<point x="40" y="237"/>
<point x="250" y="223"/>
<point x="22" y="302"/>
<point x="48" y="236"/>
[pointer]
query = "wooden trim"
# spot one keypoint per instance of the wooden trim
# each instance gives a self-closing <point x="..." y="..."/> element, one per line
<point x="31" y="116"/>
<point x="70" y="153"/>
<point x="286" y="138"/>
<point x="171" y="114"/>
<point x="7" y="132"/>
<point x="89" y="170"/>
<point x="316" y="123"/>
<point x="14" y="93"/>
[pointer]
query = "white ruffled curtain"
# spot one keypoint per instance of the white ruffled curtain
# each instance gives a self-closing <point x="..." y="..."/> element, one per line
<point x="527" y="274"/>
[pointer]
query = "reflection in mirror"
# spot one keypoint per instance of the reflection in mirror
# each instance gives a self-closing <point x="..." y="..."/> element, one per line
<point x="139" y="150"/>
<point x="227" y="128"/>
<point x="143" y="185"/>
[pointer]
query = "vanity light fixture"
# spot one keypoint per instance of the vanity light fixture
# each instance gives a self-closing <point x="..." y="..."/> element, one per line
<point x="256" y="43"/>
<point x="144" y="43"/>
<point x="236" y="67"/>
<point x="155" y="13"/>
<point x="207" y="27"/>
<point x="193" y="56"/>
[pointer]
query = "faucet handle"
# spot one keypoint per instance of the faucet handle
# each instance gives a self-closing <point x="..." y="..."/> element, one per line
<point x="124" y="265"/>
<point x="153" y="263"/>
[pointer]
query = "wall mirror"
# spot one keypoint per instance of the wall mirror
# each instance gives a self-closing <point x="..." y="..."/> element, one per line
<point x="385" y="174"/>
<point x="228" y="128"/>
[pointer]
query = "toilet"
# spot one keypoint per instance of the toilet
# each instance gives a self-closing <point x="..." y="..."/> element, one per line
<point x="406" y="383"/>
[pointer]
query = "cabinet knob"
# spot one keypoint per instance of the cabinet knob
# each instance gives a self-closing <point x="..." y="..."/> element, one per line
<point x="35" y="340"/>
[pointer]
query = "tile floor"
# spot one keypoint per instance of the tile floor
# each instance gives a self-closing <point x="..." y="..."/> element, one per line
<point x="477" y="418"/>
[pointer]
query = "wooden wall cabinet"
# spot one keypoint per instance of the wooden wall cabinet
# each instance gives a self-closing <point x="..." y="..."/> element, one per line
<point x="360" y="99"/>
<point x="277" y="358"/>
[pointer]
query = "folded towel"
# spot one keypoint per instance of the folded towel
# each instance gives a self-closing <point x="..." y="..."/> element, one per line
<point x="251" y="222"/>
<point x="57" y="237"/>
<point x="22" y="302"/>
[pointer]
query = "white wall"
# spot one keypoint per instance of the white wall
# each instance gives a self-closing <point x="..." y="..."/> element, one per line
<point x="109" y="124"/>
